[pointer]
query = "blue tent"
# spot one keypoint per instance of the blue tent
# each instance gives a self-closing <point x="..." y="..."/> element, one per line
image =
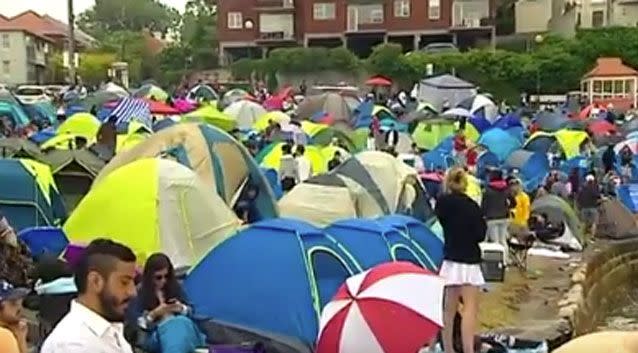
<point x="486" y="161"/>
<point x="421" y="234"/>
<point x="628" y="195"/>
<point x="15" y="113"/>
<point x="499" y="142"/>
<point x="508" y="121"/>
<point x="480" y="123"/>
<point x="44" y="240"/>
<point x="28" y="195"/>
<point x="447" y="145"/>
<point x="532" y="166"/>
<point x="273" y="179"/>
<point x="363" y="114"/>
<point x="372" y="242"/>
<point x="163" y="124"/>
<point x="434" y="160"/>
<point x="41" y="112"/>
<point x="275" y="276"/>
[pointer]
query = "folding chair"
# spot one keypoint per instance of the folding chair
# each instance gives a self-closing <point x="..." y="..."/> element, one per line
<point x="518" y="246"/>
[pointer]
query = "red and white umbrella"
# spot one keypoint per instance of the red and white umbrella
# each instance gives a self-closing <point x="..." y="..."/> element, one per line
<point x="394" y="307"/>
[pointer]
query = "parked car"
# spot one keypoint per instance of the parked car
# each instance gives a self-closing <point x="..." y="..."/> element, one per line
<point x="440" y="47"/>
<point x="32" y="94"/>
<point x="54" y="91"/>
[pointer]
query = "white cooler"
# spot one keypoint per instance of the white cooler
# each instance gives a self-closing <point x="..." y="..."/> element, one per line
<point x="493" y="265"/>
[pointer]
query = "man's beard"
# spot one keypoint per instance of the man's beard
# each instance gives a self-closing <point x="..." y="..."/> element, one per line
<point x="109" y="306"/>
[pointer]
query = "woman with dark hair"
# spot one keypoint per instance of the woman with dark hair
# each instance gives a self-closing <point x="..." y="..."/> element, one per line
<point x="161" y="310"/>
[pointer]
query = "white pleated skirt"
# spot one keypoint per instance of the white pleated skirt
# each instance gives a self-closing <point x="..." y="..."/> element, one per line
<point x="459" y="274"/>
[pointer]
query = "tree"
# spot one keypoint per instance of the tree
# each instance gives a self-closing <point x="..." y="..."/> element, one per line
<point x="199" y="33"/>
<point x="107" y="16"/>
<point x="94" y="66"/>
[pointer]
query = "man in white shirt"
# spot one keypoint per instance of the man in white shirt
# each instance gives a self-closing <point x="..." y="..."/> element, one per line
<point x="304" y="167"/>
<point x="105" y="282"/>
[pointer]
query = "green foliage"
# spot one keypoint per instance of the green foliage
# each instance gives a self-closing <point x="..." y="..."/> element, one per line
<point x="388" y="60"/>
<point x="94" y="66"/>
<point x="107" y="16"/>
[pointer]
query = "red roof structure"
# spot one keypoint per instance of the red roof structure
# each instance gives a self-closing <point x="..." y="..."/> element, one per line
<point x="43" y="26"/>
<point x="610" y="67"/>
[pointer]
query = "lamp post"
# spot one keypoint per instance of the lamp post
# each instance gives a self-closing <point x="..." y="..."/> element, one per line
<point x="71" y="43"/>
<point x="538" y="39"/>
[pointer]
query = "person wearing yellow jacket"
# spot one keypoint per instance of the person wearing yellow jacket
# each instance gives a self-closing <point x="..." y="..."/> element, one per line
<point x="522" y="210"/>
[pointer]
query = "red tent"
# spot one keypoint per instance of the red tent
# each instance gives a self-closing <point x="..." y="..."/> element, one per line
<point x="161" y="108"/>
<point x="601" y="127"/>
<point x="378" y="81"/>
<point x="584" y="114"/>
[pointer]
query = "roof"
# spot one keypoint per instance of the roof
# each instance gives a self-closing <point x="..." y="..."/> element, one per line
<point x="447" y="82"/>
<point x="44" y="26"/>
<point x="610" y="67"/>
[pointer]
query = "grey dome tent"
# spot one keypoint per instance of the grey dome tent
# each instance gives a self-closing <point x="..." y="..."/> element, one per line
<point x="439" y="89"/>
<point x="559" y="211"/>
<point x="616" y="221"/>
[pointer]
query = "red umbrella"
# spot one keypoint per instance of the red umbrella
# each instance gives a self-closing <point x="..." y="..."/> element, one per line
<point x="161" y="108"/>
<point x="394" y="307"/>
<point x="378" y="81"/>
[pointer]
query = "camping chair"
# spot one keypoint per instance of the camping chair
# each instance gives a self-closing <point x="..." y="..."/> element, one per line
<point x="519" y="243"/>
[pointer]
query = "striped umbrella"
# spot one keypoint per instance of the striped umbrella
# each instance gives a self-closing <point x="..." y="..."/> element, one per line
<point x="392" y="308"/>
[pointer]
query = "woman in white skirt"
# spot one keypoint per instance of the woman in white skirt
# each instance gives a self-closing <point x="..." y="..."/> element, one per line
<point x="464" y="228"/>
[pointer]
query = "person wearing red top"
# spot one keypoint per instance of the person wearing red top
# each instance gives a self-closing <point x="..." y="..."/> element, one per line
<point x="471" y="159"/>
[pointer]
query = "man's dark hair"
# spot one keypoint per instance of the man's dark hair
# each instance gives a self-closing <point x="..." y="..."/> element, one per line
<point x="101" y="255"/>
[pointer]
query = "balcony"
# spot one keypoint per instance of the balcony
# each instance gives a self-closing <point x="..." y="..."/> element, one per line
<point x="471" y="14"/>
<point x="275" y="37"/>
<point x="275" y="5"/>
<point x="365" y="18"/>
<point x="35" y="56"/>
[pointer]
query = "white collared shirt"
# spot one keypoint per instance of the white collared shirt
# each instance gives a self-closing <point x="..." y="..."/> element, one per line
<point x="84" y="331"/>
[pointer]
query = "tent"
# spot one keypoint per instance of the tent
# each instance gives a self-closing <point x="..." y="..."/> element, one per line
<point x="323" y="135"/>
<point x="630" y="126"/>
<point x="273" y="180"/>
<point x="615" y="221"/>
<point x="394" y="185"/>
<point x="160" y="205"/>
<point x="550" y="121"/>
<point x="223" y="163"/>
<point x="270" y="157"/>
<point x="329" y="103"/>
<point x="28" y="194"/>
<point x="44" y="240"/>
<point x="245" y="113"/>
<point x="15" y="147"/>
<point x="532" y="166"/>
<point x="628" y="195"/>
<point x="420" y="233"/>
<point x="428" y="134"/>
<point x="80" y="124"/>
<point x="567" y="142"/>
<point x="372" y="243"/>
<point x="275" y="275"/>
<point x="233" y="96"/>
<point x="275" y="116"/>
<point x="481" y="105"/>
<point x="326" y="198"/>
<point x="202" y="92"/>
<point x="150" y="91"/>
<point x="499" y="142"/>
<point x="15" y="113"/>
<point x="445" y="88"/>
<point x="560" y="212"/>
<point x="73" y="171"/>
<point x="210" y="115"/>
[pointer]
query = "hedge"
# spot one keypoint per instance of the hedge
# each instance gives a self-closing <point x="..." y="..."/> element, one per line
<point x="554" y="66"/>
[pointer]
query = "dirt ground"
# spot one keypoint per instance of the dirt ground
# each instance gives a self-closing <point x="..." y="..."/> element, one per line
<point x="527" y="296"/>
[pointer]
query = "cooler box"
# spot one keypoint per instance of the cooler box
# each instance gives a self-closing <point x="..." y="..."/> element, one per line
<point x="493" y="265"/>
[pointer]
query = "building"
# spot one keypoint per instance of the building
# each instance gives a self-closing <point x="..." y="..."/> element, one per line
<point x="610" y="81"/>
<point x="27" y="41"/>
<point x="564" y="17"/>
<point x="249" y="28"/>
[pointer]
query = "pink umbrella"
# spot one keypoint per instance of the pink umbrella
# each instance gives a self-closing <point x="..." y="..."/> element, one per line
<point x="184" y="106"/>
<point x="394" y="307"/>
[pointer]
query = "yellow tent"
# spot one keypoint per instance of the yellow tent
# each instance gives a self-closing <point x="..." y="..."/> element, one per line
<point x="279" y="117"/>
<point x="209" y="114"/>
<point x="160" y="205"/>
<point x="81" y="124"/>
<point x="271" y="157"/>
<point x="66" y="142"/>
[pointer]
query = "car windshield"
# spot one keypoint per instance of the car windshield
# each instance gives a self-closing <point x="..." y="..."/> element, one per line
<point x="30" y="91"/>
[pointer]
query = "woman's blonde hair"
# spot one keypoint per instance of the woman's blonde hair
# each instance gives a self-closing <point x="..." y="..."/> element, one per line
<point x="455" y="180"/>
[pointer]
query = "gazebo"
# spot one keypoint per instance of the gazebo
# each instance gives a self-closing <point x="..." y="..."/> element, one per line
<point x="611" y="81"/>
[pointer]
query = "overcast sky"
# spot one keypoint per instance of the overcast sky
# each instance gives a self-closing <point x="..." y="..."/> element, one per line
<point x="58" y="8"/>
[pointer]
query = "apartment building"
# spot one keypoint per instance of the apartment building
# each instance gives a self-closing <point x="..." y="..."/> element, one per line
<point x="27" y="40"/>
<point x="252" y="27"/>
<point x="564" y="17"/>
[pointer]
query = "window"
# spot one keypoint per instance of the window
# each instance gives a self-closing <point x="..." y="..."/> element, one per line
<point x="619" y="87"/>
<point x="235" y="20"/>
<point x="323" y="11"/>
<point x="401" y="8"/>
<point x="434" y="9"/>
<point x="6" y="67"/>
<point x="598" y="86"/>
<point x="330" y="273"/>
<point x="370" y="14"/>
<point x="5" y="41"/>
<point x="597" y="19"/>
<point x="607" y="86"/>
